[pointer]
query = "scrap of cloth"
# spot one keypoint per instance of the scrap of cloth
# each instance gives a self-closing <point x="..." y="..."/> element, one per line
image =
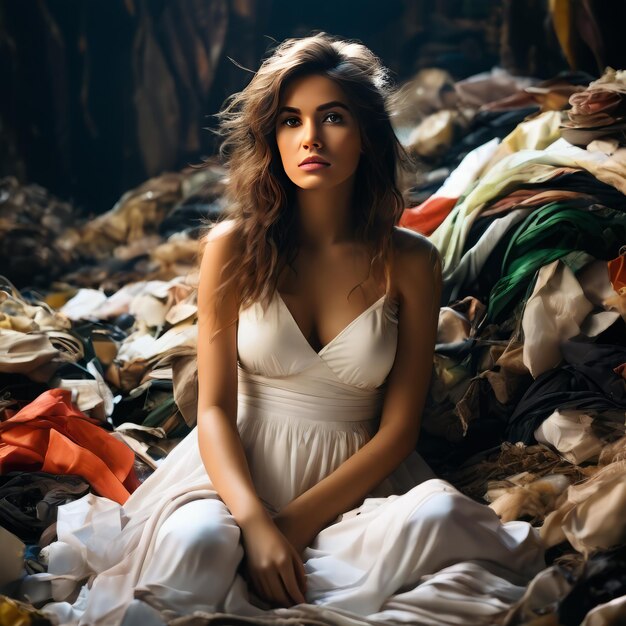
<point x="51" y="435"/>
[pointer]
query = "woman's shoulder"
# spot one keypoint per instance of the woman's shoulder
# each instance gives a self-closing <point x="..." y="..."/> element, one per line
<point x="223" y="228"/>
<point x="220" y="246"/>
<point x="223" y="236"/>
<point x="415" y="259"/>
<point x="411" y="247"/>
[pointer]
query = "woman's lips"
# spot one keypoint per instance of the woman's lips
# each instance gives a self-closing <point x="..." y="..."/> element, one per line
<point x="313" y="166"/>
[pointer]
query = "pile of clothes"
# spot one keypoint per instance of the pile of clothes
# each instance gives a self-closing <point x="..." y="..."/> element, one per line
<point x="527" y="406"/>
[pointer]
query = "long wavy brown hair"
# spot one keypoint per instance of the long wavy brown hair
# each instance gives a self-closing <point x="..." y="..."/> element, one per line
<point x="260" y="194"/>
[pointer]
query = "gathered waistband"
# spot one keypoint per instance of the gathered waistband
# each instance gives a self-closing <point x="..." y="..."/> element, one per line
<point x="320" y="401"/>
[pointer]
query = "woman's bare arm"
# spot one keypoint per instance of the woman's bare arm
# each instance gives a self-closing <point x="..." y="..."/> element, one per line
<point x="273" y="565"/>
<point x="220" y="446"/>
<point x="417" y="274"/>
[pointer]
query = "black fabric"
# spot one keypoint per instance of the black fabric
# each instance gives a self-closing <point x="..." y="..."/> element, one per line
<point x="603" y="580"/>
<point x="29" y="500"/>
<point x="586" y="381"/>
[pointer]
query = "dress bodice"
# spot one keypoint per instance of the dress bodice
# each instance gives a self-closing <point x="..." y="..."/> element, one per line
<point x="302" y="413"/>
<point x="271" y="344"/>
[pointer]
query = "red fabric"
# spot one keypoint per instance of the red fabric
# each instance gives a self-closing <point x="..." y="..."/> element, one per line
<point x="428" y="216"/>
<point x="52" y="435"/>
<point x="617" y="273"/>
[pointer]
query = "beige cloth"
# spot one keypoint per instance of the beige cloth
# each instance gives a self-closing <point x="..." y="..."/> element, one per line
<point x="591" y="517"/>
<point x="30" y="354"/>
<point x="559" y="309"/>
<point x="570" y="432"/>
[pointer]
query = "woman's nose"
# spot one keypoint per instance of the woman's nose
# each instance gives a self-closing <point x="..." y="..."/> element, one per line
<point x="310" y="137"/>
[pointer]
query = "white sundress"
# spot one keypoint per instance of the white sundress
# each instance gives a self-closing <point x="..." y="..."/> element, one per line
<point x="416" y="551"/>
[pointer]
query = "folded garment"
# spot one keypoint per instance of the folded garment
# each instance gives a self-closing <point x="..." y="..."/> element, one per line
<point x="51" y="435"/>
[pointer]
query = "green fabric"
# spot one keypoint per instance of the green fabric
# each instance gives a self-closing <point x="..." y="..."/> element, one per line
<point x="551" y="233"/>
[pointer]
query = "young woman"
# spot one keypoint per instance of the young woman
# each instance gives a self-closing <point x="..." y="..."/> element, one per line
<point x="317" y="323"/>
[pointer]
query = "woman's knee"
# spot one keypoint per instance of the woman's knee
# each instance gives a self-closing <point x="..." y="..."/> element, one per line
<point x="437" y="512"/>
<point x="201" y="529"/>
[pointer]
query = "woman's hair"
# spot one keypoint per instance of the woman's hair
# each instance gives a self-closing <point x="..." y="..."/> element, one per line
<point x="258" y="190"/>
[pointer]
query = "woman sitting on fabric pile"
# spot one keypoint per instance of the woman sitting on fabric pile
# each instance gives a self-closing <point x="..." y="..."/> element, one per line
<point x="299" y="492"/>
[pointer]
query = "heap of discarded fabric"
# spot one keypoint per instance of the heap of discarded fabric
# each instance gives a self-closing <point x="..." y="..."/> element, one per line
<point x="31" y="221"/>
<point x="440" y="122"/>
<point x="599" y="111"/>
<point x="151" y="232"/>
<point x="531" y="346"/>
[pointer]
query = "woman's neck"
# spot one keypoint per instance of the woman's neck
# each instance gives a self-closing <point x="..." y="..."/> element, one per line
<point x="325" y="216"/>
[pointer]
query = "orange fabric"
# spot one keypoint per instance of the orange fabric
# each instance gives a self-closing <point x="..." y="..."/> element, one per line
<point x="428" y="216"/>
<point x="52" y="435"/>
<point x="617" y="273"/>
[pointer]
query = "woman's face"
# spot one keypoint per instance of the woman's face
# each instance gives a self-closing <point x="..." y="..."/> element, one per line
<point x="315" y="121"/>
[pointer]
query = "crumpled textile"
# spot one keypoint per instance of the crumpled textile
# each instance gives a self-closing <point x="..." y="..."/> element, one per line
<point x="617" y="274"/>
<point x="137" y="213"/>
<point x="525" y="496"/>
<point x="151" y="445"/>
<point x="608" y="614"/>
<point x="434" y="135"/>
<point x="29" y="500"/>
<point x="508" y="460"/>
<point x="540" y="598"/>
<point x="16" y="613"/>
<point x="50" y="435"/>
<point x="91" y="395"/>
<point x="12" y="550"/>
<point x="591" y="517"/>
<point x="17" y="314"/>
<point x="31" y="354"/>
<point x="586" y="381"/>
<point x="527" y="167"/>
<point x="602" y="580"/>
<point x="533" y="134"/>
<point x="180" y="339"/>
<point x="560" y="308"/>
<point x="430" y="90"/>
<point x="490" y="86"/>
<point x="473" y="260"/>
<point x="550" y="233"/>
<point x="571" y="433"/>
<point x="426" y="217"/>
<point x="603" y="103"/>
<point x="551" y="95"/>
<point x="31" y="221"/>
<point x="149" y="302"/>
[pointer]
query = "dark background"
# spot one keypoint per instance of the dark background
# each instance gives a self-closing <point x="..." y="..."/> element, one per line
<point x="99" y="95"/>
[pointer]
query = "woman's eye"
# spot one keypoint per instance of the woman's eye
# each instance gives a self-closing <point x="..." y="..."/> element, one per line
<point x="334" y="117"/>
<point x="287" y="121"/>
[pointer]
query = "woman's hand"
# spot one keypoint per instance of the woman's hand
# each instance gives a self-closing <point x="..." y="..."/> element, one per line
<point x="272" y="564"/>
